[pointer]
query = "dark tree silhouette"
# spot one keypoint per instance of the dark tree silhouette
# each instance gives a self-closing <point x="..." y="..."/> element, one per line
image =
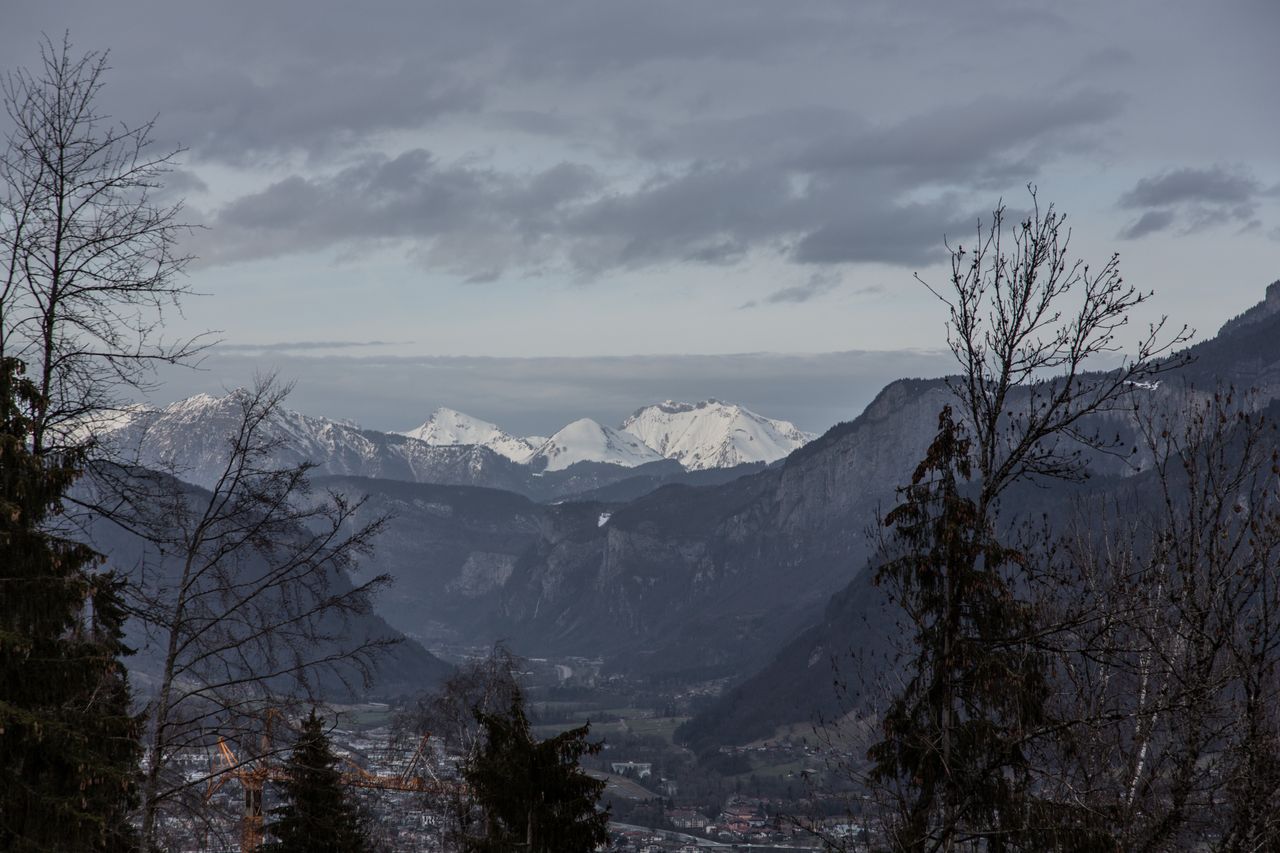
<point x="533" y="794"/>
<point x="316" y="816"/>
<point x="975" y="688"/>
<point x="68" y="745"/>
<point x="1027" y="322"/>
<point x="89" y="257"/>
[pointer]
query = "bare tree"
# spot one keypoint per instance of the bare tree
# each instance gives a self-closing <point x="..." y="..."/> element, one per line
<point x="90" y="256"/>
<point x="1170" y="647"/>
<point x="1027" y="325"/>
<point x="486" y="685"/>
<point x="246" y="596"/>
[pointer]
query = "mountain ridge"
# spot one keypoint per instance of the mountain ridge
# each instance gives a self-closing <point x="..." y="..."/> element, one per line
<point x="858" y="617"/>
<point x="449" y="427"/>
<point x="586" y="440"/>
<point x="188" y="440"/>
<point x="713" y="434"/>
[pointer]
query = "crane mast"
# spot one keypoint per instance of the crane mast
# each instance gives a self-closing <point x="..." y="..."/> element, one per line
<point x="253" y="775"/>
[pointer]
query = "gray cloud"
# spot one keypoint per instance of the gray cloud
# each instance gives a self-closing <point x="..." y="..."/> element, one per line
<point x="1148" y="223"/>
<point x="689" y="134"/>
<point x="482" y="223"/>
<point x="180" y="183"/>
<point x="496" y="218"/>
<point x="953" y="141"/>
<point x="1216" y="186"/>
<point x="258" y="85"/>
<point x="817" y="284"/>
<point x="1198" y="198"/>
<point x="715" y="191"/>
<point x="709" y="214"/>
<point x="585" y="139"/>
<point x="236" y="117"/>
<point x="909" y="233"/>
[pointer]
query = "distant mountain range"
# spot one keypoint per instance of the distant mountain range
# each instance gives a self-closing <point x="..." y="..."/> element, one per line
<point x="690" y="581"/>
<point x="712" y="434"/>
<point x="635" y="545"/>
<point x="188" y="439"/>
<point x="700" y="436"/>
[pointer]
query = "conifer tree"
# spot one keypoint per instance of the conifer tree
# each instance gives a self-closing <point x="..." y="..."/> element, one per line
<point x="952" y="747"/>
<point x="534" y="795"/>
<point x="68" y="744"/>
<point x="316" y="816"/>
<point x="1027" y="323"/>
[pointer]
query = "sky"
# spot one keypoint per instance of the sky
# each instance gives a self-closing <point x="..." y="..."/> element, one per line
<point x="537" y="210"/>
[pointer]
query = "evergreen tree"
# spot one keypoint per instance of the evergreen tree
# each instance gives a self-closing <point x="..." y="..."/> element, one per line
<point x="534" y="795"/>
<point x="953" y="738"/>
<point x="316" y="816"/>
<point x="956" y="759"/>
<point x="68" y="744"/>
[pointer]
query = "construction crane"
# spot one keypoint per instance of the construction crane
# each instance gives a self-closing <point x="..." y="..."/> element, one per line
<point x="253" y="775"/>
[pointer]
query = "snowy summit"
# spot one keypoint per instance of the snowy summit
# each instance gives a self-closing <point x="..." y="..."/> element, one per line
<point x="449" y="427"/>
<point x="189" y="438"/>
<point x="585" y="440"/>
<point x="713" y="434"/>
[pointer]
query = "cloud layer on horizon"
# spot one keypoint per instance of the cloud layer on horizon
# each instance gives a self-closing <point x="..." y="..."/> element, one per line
<point x="536" y="396"/>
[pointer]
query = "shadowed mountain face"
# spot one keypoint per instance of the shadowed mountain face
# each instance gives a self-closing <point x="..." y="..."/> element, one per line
<point x="859" y="625"/>
<point x="679" y="580"/>
<point x="404" y="668"/>
<point x="684" y="580"/>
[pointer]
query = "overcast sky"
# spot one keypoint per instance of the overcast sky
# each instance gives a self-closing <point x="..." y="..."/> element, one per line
<point x="536" y="210"/>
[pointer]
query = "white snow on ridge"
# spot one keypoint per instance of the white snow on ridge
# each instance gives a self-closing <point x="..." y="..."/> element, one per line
<point x="585" y="440"/>
<point x="713" y="434"/>
<point x="190" y="436"/>
<point x="448" y="427"/>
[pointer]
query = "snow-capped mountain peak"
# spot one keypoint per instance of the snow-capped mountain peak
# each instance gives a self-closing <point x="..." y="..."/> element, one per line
<point x="449" y="427"/>
<point x="713" y="434"/>
<point x="586" y="440"/>
<point x="190" y="439"/>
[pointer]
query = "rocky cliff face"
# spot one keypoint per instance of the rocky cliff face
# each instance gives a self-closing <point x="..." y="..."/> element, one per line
<point x="1267" y="308"/>
<point x="453" y="550"/>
